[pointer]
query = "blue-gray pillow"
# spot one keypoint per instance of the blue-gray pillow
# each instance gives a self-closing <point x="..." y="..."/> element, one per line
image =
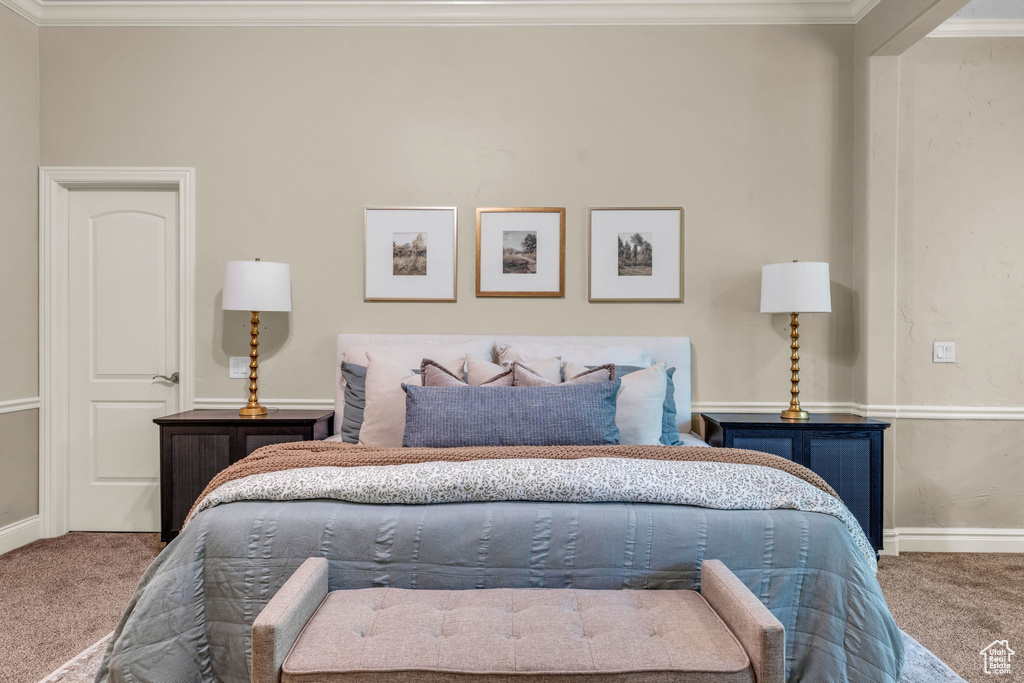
<point x="450" y="417"/>
<point x="355" y="401"/>
<point x="669" y="428"/>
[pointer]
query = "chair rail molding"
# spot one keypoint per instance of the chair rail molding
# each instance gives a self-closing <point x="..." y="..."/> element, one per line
<point x="905" y="412"/>
<point x="435" y="12"/>
<point x="19" y="404"/>
<point x="55" y="184"/>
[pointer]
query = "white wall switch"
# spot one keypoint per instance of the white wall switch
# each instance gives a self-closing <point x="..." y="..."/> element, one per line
<point x="944" y="352"/>
<point x="238" y="367"/>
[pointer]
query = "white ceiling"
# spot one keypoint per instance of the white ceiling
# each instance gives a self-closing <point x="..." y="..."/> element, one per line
<point x="992" y="9"/>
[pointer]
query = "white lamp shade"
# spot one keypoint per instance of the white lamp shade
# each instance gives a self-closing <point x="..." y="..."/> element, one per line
<point x="257" y="286"/>
<point x="798" y="287"/>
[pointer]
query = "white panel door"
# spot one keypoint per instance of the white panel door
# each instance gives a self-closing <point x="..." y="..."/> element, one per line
<point x="123" y="321"/>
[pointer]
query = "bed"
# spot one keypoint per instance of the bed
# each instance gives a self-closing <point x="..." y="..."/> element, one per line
<point x="388" y="517"/>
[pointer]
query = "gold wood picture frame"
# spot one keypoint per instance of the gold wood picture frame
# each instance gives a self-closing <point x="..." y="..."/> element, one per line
<point x="520" y="252"/>
<point x="635" y="254"/>
<point x="410" y="253"/>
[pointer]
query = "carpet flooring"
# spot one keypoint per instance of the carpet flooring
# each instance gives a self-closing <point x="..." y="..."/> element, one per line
<point x="61" y="595"/>
<point x="956" y="604"/>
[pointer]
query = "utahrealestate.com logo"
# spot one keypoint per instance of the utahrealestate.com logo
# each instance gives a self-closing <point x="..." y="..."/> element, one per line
<point x="997" y="657"/>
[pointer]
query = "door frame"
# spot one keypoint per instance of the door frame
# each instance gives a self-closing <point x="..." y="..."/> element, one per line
<point x="55" y="185"/>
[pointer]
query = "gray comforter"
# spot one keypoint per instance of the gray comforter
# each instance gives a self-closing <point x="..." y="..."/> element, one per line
<point x="190" y="617"/>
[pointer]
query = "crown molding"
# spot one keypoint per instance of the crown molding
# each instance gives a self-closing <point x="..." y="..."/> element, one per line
<point x="436" y="12"/>
<point x="31" y="10"/>
<point x="980" y="28"/>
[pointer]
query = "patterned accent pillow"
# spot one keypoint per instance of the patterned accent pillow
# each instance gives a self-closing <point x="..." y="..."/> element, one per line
<point x="450" y="417"/>
<point x="525" y="376"/>
<point x="436" y="375"/>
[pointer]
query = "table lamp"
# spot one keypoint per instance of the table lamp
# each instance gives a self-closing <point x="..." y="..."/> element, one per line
<point x="256" y="286"/>
<point x="795" y="288"/>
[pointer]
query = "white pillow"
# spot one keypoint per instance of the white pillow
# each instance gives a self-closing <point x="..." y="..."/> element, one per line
<point x="640" y="404"/>
<point x="384" y="415"/>
<point x="409" y="354"/>
<point x="548" y="368"/>
<point x="588" y="355"/>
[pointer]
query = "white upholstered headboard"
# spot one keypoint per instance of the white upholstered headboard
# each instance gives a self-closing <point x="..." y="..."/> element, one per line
<point x="673" y="351"/>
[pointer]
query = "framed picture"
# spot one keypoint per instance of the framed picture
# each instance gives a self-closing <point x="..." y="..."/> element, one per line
<point x="520" y="252"/>
<point x="409" y="254"/>
<point x="636" y="254"/>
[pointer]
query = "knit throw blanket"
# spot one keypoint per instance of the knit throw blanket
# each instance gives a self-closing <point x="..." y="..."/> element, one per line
<point x="306" y="454"/>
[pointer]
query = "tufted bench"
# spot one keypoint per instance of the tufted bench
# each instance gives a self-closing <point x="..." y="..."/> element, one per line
<point x="390" y="635"/>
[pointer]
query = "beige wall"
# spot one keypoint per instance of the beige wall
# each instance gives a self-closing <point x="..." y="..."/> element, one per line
<point x="293" y="131"/>
<point x="961" y="278"/>
<point x="19" y="483"/>
<point x="19" y="159"/>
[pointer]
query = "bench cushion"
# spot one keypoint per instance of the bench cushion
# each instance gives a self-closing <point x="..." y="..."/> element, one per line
<point x="390" y="635"/>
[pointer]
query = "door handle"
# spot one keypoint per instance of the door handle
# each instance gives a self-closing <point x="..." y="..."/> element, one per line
<point x="174" y="378"/>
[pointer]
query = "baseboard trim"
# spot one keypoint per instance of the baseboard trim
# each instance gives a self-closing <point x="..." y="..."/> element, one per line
<point x="19" y="404"/>
<point x="20" y="533"/>
<point x="952" y="540"/>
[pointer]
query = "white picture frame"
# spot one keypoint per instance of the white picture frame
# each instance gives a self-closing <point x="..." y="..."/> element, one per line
<point x="520" y="252"/>
<point x="410" y="253"/>
<point x="651" y="269"/>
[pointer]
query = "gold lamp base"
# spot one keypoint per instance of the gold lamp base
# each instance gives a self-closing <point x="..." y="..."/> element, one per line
<point x="794" y="412"/>
<point x="253" y="408"/>
<point x="250" y="411"/>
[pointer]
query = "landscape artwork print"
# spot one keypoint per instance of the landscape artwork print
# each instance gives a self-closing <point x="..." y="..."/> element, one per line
<point x="636" y="254"/>
<point x="519" y="252"/>
<point x="409" y="253"/>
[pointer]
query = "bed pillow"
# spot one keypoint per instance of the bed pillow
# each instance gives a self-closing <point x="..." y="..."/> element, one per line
<point x="670" y="435"/>
<point x="524" y="376"/>
<point x="549" y="368"/>
<point x="436" y="375"/>
<point x="641" y="404"/>
<point x="480" y="371"/>
<point x="451" y="417"/>
<point x="384" y="414"/>
<point x="354" y="377"/>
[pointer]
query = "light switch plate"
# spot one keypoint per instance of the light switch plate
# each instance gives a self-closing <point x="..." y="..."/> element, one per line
<point x="944" y="352"/>
<point x="238" y="367"/>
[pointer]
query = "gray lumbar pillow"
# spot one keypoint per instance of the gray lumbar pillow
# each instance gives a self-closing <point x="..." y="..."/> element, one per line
<point x="450" y="417"/>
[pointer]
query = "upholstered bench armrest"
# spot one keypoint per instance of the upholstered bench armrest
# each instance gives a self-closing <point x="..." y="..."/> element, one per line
<point x="276" y="628"/>
<point x="759" y="632"/>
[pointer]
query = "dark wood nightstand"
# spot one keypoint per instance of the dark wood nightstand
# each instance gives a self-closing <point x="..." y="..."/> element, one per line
<point x="845" y="450"/>
<point x="196" y="445"/>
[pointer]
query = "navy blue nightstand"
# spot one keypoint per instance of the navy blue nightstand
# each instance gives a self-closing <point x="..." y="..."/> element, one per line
<point x="845" y="450"/>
